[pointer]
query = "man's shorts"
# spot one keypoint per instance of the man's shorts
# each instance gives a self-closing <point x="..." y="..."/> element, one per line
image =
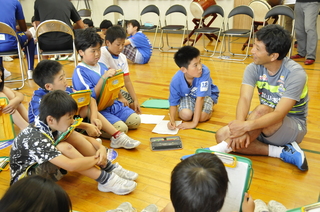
<point x="188" y="102"/>
<point x="292" y="129"/>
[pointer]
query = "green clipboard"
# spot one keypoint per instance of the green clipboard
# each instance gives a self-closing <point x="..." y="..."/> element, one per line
<point x="7" y="132"/>
<point x="240" y="174"/>
<point x="307" y="208"/>
<point x="156" y="103"/>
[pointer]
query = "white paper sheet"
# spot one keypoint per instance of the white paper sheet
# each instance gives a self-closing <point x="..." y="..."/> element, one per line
<point x="151" y="119"/>
<point x="162" y="128"/>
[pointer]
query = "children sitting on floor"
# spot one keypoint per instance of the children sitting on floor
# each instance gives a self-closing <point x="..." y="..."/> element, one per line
<point x="34" y="150"/>
<point x="90" y="74"/>
<point x="49" y="75"/>
<point x="137" y="48"/>
<point x="192" y="91"/>
<point x="112" y="57"/>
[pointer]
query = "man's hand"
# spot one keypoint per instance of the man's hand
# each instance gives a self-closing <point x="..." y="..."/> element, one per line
<point x="240" y="142"/>
<point x="237" y="128"/>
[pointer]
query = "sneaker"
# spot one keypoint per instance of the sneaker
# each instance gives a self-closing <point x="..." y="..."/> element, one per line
<point x="126" y="174"/>
<point x="30" y="74"/>
<point x="6" y="73"/>
<point x="275" y="206"/>
<point x="71" y="58"/>
<point x="7" y="59"/>
<point x="260" y="206"/>
<point x="56" y="57"/>
<point x="124" y="141"/>
<point x="124" y="207"/>
<point x="309" y="61"/>
<point x="117" y="185"/>
<point x="297" y="56"/>
<point x="292" y="153"/>
<point x="150" y="208"/>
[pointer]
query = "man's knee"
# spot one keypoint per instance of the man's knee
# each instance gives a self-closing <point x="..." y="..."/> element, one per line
<point x="133" y="121"/>
<point x="222" y="134"/>
<point x="121" y="126"/>
<point x="186" y="114"/>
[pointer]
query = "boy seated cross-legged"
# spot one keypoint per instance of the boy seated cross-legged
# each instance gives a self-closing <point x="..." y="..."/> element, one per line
<point x="91" y="74"/>
<point x="49" y="75"/>
<point x="34" y="150"/>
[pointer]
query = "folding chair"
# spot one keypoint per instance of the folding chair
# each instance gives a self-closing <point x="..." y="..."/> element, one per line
<point x="283" y="10"/>
<point x="55" y="26"/>
<point x="230" y="32"/>
<point x="151" y="9"/>
<point x="115" y="9"/>
<point x="210" y="11"/>
<point x="110" y="90"/>
<point x="85" y="13"/>
<point x="6" y="29"/>
<point x="171" y="27"/>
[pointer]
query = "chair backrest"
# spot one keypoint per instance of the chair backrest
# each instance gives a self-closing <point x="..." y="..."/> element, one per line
<point x="177" y="8"/>
<point x="85" y="13"/>
<point x="150" y="9"/>
<point x="53" y="26"/>
<point x="242" y="9"/>
<point x="6" y="29"/>
<point x="212" y="10"/>
<point x="280" y="10"/>
<point x="260" y="9"/>
<point x="113" y="8"/>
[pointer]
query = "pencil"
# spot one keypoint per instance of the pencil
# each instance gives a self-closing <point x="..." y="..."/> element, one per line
<point x="172" y="121"/>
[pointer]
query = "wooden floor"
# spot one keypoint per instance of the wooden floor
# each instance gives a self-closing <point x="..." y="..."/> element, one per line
<point x="272" y="179"/>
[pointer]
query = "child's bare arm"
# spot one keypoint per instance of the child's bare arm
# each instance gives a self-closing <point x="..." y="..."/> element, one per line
<point x="129" y="86"/>
<point x="172" y="115"/>
<point x="15" y="99"/>
<point x="91" y="129"/>
<point x="122" y="99"/>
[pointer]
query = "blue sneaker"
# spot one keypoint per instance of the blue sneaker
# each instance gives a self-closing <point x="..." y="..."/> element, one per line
<point x="292" y="153"/>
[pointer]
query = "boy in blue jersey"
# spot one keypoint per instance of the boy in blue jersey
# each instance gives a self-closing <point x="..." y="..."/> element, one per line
<point x="192" y="91"/>
<point x="137" y="48"/>
<point x="276" y="126"/>
<point x="90" y="74"/>
<point x="50" y="76"/>
<point x="112" y="57"/>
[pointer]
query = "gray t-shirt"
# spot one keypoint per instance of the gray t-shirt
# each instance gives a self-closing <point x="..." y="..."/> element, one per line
<point x="289" y="82"/>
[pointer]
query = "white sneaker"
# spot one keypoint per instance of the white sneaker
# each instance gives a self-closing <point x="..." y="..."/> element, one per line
<point x="124" y="141"/>
<point x="6" y="73"/>
<point x="150" y="208"/>
<point x="117" y="185"/>
<point x="30" y="74"/>
<point x="126" y="174"/>
<point x="7" y="59"/>
<point x="275" y="206"/>
<point x="124" y="207"/>
<point x="72" y="57"/>
<point x="260" y="206"/>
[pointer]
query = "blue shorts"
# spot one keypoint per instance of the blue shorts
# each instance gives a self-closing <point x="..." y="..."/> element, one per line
<point x="117" y="112"/>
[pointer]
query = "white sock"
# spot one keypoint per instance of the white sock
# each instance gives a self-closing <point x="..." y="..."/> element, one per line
<point x="275" y="151"/>
<point x="221" y="147"/>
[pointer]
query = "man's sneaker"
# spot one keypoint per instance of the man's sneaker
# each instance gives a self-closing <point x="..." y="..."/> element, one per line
<point x="292" y="153"/>
<point x="30" y="74"/>
<point x="6" y="73"/>
<point x="276" y="206"/>
<point x="126" y="174"/>
<point x="117" y="185"/>
<point x="260" y="206"/>
<point x="124" y="141"/>
<point x="150" y="208"/>
<point x="124" y="207"/>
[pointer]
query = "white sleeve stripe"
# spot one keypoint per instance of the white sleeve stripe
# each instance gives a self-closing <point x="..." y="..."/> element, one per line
<point x="81" y="78"/>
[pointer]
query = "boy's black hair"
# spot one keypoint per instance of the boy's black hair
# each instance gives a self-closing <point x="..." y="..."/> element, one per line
<point x="87" y="38"/>
<point x="115" y="32"/>
<point x="105" y="24"/>
<point x="45" y="72"/>
<point x="276" y="39"/>
<point x="199" y="183"/>
<point x="134" y="23"/>
<point x="2" y="78"/>
<point x="56" y="104"/>
<point x="88" y="22"/>
<point x="184" y="56"/>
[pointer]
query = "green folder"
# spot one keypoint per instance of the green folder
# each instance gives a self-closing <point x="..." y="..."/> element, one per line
<point x="312" y="208"/>
<point x="156" y="103"/>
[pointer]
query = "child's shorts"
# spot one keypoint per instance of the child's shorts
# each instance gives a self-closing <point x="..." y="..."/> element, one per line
<point x="188" y="102"/>
<point x="48" y="170"/>
<point x="117" y="112"/>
